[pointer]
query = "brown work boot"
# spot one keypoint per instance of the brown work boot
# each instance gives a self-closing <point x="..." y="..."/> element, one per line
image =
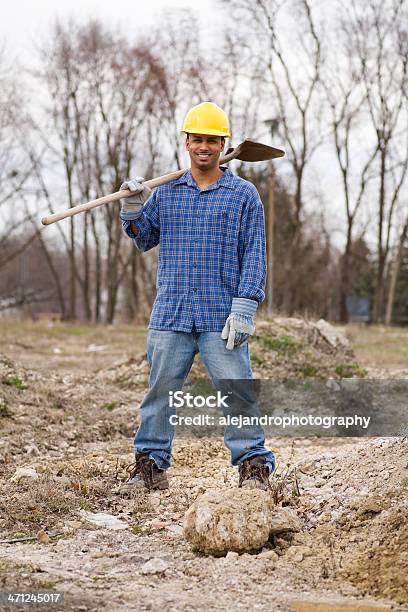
<point x="144" y="474"/>
<point x="254" y="474"/>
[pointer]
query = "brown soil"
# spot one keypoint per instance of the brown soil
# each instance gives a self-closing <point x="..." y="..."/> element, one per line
<point x="70" y="415"/>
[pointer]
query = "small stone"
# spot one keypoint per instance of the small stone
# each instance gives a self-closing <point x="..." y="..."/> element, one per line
<point x="94" y="348"/>
<point x="154" y="500"/>
<point x="43" y="537"/>
<point x="305" y="550"/>
<point x="284" y="519"/>
<point x="176" y="529"/>
<point x="294" y="554"/>
<point x="63" y="481"/>
<point x="72" y="525"/>
<point x="271" y="555"/>
<point x="154" y="566"/>
<point x="32" y="449"/>
<point x="158" y="524"/>
<point x="99" y="554"/>
<point x="333" y="385"/>
<point x="332" y="335"/>
<point x="24" y="474"/>
<point x="103" y="520"/>
<point x="231" y="556"/>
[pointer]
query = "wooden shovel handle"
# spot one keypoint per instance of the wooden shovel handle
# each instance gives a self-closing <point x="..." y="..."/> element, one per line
<point x="125" y="193"/>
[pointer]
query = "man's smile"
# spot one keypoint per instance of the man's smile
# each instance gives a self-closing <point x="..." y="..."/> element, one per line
<point x="205" y="151"/>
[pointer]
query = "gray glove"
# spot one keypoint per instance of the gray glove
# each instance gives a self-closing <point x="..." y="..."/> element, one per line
<point x="132" y="206"/>
<point x="239" y="326"/>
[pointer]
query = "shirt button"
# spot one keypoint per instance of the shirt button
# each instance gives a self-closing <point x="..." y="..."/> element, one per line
<point x="195" y="289"/>
<point x="194" y="265"/>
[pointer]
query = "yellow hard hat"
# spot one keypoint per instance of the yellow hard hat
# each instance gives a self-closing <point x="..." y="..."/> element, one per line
<point x="206" y="118"/>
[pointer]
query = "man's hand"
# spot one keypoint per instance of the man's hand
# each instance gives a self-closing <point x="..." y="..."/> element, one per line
<point x="239" y="326"/>
<point x="132" y="206"/>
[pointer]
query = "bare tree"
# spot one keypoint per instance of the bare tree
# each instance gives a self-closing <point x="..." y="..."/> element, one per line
<point x="101" y="90"/>
<point x="15" y="167"/>
<point x="379" y="42"/>
<point x="395" y="266"/>
<point x="124" y="89"/>
<point x="292" y="99"/>
<point x="180" y="73"/>
<point x="61" y="75"/>
<point x="346" y="97"/>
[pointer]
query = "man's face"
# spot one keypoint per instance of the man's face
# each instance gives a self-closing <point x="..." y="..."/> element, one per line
<point x="204" y="150"/>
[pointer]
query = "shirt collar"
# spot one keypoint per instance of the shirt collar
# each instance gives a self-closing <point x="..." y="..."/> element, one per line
<point x="225" y="180"/>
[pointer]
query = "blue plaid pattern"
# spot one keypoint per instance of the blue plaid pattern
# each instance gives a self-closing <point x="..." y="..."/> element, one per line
<point x="212" y="249"/>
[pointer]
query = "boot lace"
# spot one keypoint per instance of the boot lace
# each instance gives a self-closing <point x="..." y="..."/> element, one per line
<point x="144" y="467"/>
<point x="257" y="471"/>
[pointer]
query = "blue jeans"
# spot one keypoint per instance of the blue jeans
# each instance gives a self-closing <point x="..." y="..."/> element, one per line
<point x="171" y="355"/>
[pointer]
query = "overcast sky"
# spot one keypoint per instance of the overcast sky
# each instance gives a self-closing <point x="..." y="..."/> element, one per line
<point x="22" y="22"/>
<point x="25" y="23"/>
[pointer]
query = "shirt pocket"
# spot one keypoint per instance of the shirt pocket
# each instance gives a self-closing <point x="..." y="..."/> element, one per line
<point x="222" y="229"/>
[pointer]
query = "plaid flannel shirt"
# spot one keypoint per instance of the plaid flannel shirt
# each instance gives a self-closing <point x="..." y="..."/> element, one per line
<point x="212" y="249"/>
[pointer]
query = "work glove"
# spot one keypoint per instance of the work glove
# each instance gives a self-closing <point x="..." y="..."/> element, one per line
<point x="132" y="206"/>
<point x="239" y="326"/>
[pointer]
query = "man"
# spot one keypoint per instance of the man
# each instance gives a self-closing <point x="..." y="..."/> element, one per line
<point x="210" y="280"/>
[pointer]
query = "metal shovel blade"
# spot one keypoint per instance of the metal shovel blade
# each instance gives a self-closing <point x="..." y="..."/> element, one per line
<point x="252" y="151"/>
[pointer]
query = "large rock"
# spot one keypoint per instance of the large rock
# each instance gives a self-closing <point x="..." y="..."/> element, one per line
<point x="236" y="520"/>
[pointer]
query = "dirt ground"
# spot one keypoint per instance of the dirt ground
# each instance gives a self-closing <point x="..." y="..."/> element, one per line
<point x="69" y="398"/>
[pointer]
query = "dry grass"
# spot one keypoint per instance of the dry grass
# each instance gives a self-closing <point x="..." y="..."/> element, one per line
<point x="284" y="486"/>
<point x="379" y="346"/>
<point x="65" y="347"/>
<point x="62" y="489"/>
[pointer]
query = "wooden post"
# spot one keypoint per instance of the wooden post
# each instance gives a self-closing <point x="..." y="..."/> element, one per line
<point x="269" y="242"/>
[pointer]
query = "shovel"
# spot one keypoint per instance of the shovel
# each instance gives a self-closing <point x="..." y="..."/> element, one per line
<point x="248" y="150"/>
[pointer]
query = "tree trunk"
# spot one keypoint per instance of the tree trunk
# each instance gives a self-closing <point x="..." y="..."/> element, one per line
<point x="55" y="276"/>
<point x="379" y="288"/>
<point x="72" y="280"/>
<point x="98" y="270"/>
<point x="345" y="278"/>
<point x="72" y="257"/>
<point x="86" y="287"/>
<point x="394" y="275"/>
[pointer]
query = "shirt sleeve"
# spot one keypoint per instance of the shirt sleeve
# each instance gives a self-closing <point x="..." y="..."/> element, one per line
<point x="148" y="225"/>
<point x="252" y="250"/>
